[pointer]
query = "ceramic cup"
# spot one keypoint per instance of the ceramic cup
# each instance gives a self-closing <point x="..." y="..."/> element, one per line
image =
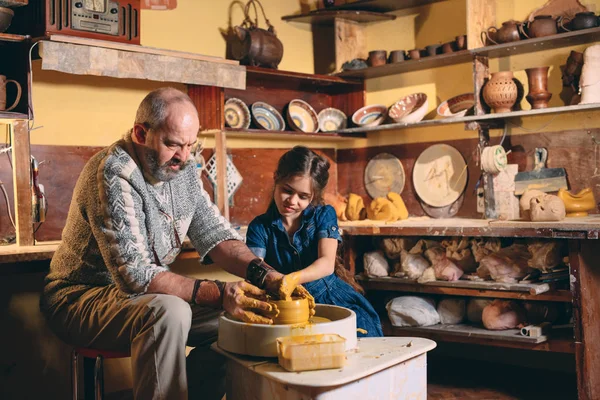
<point x="414" y="54"/>
<point x="433" y="49"/>
<point x="3" y="83"/>
<point x="396" y="56"/>
<point x="293" y="311"/>
<point x="461" y="42"/>
<point x="377" y="57"/>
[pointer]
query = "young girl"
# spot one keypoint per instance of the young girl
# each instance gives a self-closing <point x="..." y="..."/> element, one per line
<point x="300" y="236"/>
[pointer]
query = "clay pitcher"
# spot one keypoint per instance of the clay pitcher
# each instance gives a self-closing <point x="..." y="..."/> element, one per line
<point x="3" y="83"/>
<point x="500" y="92"/>
<point x="542" y="25"/>
<point x="256" y="46"/>
<point x="582" y="20"/>
<point x="538" y="95"/>
<point x="509" y="32"/>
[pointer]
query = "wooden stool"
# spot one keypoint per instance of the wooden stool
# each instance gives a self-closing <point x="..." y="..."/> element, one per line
<point x="99" y="356"/>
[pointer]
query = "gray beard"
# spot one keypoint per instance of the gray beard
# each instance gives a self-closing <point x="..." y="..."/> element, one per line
<point x="162" y="173"/>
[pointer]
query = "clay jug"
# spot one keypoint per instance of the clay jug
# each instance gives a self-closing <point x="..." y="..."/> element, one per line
<point x="542" y="25"/>
<point x="3" y="83"/>
<point x="538" y="95"/>
<point x="582" y="20"/>
<point x="509" y="32"/>
<point x="256" y="46"/>
<point x="500" y="92"/>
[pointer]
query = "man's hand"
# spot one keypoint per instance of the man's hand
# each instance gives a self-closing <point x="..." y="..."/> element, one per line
<point x="238" y="302"/>
<point x="286" y="286"/>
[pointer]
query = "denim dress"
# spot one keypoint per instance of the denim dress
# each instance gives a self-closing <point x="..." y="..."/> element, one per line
<point x="268" y="239"/>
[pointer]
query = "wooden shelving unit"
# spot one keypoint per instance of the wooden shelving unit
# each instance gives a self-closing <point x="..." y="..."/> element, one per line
<point x="286" y="135"/>
<point x="526" y="46"/>
<point x="570" y="228"/>
<point x="382" y="5"/>
<point x="9" y="37"/>
<point x="12" y="115"/>
<point x="327" y="17"/>
<point x="490" y="289"/>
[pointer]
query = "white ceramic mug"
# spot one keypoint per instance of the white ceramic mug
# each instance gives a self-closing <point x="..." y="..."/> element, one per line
<point x="3" y="83"/>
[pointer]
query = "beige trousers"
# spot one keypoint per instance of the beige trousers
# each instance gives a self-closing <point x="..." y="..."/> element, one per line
<point x="155" y="328"/>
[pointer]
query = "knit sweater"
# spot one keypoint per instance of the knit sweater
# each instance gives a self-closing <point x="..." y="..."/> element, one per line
<point x="121" y="228"/>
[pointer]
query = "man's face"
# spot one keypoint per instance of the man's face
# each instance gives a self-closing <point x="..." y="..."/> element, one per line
<point x="167" y="150"/>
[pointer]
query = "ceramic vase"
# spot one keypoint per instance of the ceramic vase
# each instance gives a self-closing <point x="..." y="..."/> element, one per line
<point x="590" y="75"/>
<point x="538" y="95"/>
<point x="500" y="92"/>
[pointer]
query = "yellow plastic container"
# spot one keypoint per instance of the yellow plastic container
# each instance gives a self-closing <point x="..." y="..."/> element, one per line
<point x="311" y="352"/>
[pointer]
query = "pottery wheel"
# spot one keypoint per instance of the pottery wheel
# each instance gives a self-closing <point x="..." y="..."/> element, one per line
<point x="384" y="173"/>
<point x="261" y="340"/>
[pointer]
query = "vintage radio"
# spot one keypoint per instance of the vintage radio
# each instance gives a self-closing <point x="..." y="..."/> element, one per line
<point x="116" y="20"/>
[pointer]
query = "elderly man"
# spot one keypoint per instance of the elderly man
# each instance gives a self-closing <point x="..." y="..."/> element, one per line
<point x="109" y="285"/>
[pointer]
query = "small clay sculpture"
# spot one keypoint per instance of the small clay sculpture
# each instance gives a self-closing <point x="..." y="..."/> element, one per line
<point x="547" y="208"/>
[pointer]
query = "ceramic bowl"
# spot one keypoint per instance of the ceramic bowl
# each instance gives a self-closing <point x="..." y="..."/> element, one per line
<point x="332" y="120"/>
<point x="267" y="117"/>
<point x="372" y="115"/>
<point x="6" y="15"/>
<point x="302" y="117"/>
<point x="456" y="106"/>
<point x="409" y="109"/>
<point x="237" y="115"/>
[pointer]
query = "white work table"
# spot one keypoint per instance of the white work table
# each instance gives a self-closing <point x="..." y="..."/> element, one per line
<point x="380" y="368"/>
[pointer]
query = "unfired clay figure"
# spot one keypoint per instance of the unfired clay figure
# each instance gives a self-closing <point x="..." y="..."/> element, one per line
<point x="524" y="202"/>
<point x="547" y="208"/>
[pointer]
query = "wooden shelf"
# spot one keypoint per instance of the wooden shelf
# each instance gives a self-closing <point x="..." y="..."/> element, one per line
<point x="382" y="5"/>
<point x="12" y="115"/>
<point x="476" y="118"/>
<point x="256" y="73"/>
<point x="326" y="17"/>
<point x="569" y="228"/>
<point x="501" y="50"/>
<point x="9" y="37"/>
<point x="440" y="60"/>
<point x="558" y="342"/>
<point x="284" y="135"/>
<point x="519" y="291"/>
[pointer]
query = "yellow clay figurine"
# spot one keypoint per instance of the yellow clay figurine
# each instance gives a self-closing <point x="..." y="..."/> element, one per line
<point x="399" y="203"/>
<point x="578" y="205"/>
<point x="355" y="210"/>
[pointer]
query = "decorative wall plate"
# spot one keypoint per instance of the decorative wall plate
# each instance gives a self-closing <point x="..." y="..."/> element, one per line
<point x="267" y="117"/>
<point x="384" y="173"/>
<point x="237" y="115"/>
<point x="302" y="117"/>
<point x="440" y="175"/>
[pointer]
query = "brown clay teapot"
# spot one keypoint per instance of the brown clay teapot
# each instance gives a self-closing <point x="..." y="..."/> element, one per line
<point x="508" y="32"/>
<point x="542" y="25"/>
<point x="256" y="46"/>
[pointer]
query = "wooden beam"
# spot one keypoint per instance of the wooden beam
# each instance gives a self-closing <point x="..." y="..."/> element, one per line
<point x="221" y="155"/>
<point x="91" y="60"/>
<point x="350" y="42"/>
<point x="481" y="14"/>
<point x="19" y="135"/>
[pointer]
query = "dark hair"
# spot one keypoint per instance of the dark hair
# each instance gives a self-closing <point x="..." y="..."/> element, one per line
<point x="302" y="161"/>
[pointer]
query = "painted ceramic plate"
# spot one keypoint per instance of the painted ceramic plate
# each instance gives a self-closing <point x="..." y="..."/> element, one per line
<point x="440" y="175"/>
<point x="267" y="117"/>
<point x="332" y="120"/>
<point x="237" y="115"/>
<point x="384" y="173"/>
<point x="457" y="106"/>
<point x="302" y="117"/>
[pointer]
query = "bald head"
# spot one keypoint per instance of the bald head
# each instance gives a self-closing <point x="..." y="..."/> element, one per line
<point x="153" y="111"/>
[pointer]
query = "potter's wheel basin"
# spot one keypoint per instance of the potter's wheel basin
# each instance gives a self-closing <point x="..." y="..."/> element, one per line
<point x="260" y="340"/>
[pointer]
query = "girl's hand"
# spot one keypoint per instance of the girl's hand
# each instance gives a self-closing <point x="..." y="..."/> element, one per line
<point x="238" y="302"/>
<point x="289" y="286"/>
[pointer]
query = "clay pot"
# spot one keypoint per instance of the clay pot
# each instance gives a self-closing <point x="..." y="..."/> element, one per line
<point x="414" y="54"/>
<point x="377" y="57"/>
<point x="542" y="25"/>
<point x="582" y="20"/>
<point x="291" y="312"/>
<point x="509" y="32"/>
<point x="448" y="47"/>
<point x="572" y="71"/>
<point x="396" y="56"/>
<point x="538" y="95"/>
<point x="433" y="49"/>
<point x="461" y="42"/>
<point x="500" y="92"/>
